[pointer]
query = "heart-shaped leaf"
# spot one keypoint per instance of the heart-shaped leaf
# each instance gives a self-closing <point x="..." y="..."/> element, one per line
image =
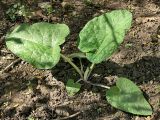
<point x="72" y="87"/>
<point x="38" y="44"/>
<point x="102" y="35"/>
<point x="128" y="97"/>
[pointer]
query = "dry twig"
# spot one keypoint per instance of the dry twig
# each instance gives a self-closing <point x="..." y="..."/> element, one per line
<point x="69" y="117"/>
<point x="10" y="65"/>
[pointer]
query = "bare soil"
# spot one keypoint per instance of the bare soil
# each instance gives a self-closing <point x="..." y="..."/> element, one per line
<point x="27" y="93"/>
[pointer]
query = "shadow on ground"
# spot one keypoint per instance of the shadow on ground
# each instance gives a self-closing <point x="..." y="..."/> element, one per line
<point x="143" y="70"/>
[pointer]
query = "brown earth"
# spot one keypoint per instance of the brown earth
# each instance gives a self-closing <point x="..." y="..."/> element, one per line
<point x="32" y="94"/>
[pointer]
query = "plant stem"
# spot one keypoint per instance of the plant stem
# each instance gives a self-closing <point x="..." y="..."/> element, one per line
<point x="86" y="74"/>
<point x="91" y="68"/>
<point x="88" y="71"/>
<point x="73" y="65"/>
<point x="98" y="85"/>
<point x="82" y="70"/>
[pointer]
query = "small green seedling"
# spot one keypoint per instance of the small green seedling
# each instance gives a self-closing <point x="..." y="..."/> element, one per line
<point x="72" y="87"/>
<point x="39" y="45"/>
<point x="18" y="10"/>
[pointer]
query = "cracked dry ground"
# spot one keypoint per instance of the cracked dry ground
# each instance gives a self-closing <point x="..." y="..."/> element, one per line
<point x="26" y="92"/>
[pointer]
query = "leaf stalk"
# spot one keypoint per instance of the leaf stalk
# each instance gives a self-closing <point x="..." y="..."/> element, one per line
<point x="73" y="65"/>
<point x="84" y="75"/>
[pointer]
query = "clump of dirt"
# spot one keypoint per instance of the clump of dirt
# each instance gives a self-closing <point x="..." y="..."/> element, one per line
<point x="45" y="99"/>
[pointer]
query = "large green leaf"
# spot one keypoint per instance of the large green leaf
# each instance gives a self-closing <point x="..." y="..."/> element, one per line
<point x="38" y="44"/>
<point x="128" y="97"/>
<point x="102" y="35"/>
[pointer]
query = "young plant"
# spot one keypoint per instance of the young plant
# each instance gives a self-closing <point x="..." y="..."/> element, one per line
<point x="18" y="10"/>
<point x="39" y="45"/>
